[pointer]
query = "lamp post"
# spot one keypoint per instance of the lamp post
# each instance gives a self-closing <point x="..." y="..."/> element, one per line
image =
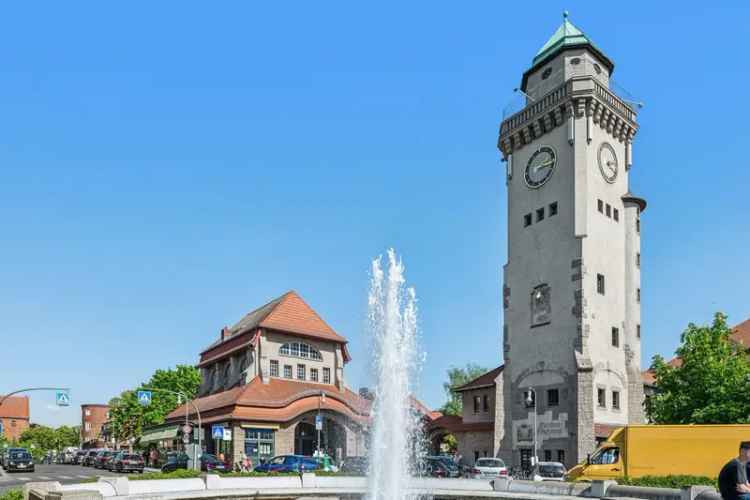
<point x="318" y="420"/>
<point x="531" y="401"/>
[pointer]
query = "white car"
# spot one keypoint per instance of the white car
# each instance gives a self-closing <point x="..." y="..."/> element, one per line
<point x="549" y="471"/>
<point x="488" y="468"/>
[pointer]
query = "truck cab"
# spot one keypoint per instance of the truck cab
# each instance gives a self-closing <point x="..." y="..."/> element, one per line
<point x="607" y="462"/>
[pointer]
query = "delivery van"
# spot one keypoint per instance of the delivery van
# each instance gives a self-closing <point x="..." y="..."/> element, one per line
<point x="663" y="450"/>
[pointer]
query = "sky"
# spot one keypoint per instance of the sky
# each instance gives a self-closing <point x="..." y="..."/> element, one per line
<point x="165" y="167"/>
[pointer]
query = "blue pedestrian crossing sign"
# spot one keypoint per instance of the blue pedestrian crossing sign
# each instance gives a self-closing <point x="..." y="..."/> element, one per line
<point x="144" y="398"/>
<point x="62" y="398"/>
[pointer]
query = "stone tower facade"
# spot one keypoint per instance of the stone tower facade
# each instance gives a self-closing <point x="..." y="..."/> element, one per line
<point x="571" y="292"/>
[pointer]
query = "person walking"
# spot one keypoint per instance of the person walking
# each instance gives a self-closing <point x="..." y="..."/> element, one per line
<point x="733" y="483"/>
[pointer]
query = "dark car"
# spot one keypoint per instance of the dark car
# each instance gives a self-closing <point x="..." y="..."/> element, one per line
<point x="174" y="462"/>
<point x="88" y="460"/>
<point x="19" y="460"/>
<point x="355" y="465"/>
<point x="208" y="463"/>
<point x="78" y="457"/>
<point x="289" y="463"/>
<point x="123" y="461"/>
<point x="101" y="459"/>
<point x="440" y="467"/>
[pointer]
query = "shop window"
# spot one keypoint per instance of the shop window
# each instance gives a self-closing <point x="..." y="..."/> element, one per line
<point x="259" y="444"/>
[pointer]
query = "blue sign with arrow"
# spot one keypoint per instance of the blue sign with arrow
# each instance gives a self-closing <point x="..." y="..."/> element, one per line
<point x="144" y="398"/>
<point x="62" y="398"/>
<point x="217" y="432"/>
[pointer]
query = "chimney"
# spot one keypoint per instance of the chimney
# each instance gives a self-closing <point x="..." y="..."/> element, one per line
<point x="224" y="333"/>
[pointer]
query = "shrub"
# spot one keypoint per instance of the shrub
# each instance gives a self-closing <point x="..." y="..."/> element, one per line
<point x="178" y="474"/>
<point x="668" y="481"/>
<point x="11" y="495"/>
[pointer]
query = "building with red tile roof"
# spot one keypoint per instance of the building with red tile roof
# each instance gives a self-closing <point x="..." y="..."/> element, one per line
<point x="14" y="417"/>
<point x="267" y="378"/>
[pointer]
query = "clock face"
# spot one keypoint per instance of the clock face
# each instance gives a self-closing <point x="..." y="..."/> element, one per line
<point x="608" y="162"/>
<point x="540" y="166"/>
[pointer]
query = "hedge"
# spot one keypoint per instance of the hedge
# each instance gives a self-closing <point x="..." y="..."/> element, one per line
<point x="12" y="495"/>
<point x="178" y="474"/>
<point x="668" y="481"/>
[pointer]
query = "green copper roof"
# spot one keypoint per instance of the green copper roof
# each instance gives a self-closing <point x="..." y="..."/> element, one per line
<point x="566" y="35"/>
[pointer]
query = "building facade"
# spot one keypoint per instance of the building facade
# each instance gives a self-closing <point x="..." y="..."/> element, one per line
<point x="93" y="419"/>
<point x="269" y="379"/>
<point x="14" y="417"/>
<point x="571" y="294"/>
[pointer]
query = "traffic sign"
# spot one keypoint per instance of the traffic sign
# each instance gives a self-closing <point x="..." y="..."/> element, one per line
<point x="318" y="423"/>
<point x="62" y="398"/>
<point x="217" y="431"/>
<point x="227" y="435"/>
<point x="144" y="398"/>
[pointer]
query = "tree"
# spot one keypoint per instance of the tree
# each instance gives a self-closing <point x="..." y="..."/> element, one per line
<point x="710" y="386"/>
<point x="458" y="377"/>
<point x="128" y="417"/>
<point x="67" y="436"/>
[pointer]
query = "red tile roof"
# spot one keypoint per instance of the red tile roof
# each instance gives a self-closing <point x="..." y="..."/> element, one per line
<point x="277" y="401"/>
<point x="15" y="407"/>
<point x="453" y="424"/>
<point x="484" y="380"/>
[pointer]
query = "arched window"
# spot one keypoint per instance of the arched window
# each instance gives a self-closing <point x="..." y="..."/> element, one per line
<point x="300" y="350"/>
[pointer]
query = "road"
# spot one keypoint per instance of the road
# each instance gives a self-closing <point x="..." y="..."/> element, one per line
<point x="65" y="474"/>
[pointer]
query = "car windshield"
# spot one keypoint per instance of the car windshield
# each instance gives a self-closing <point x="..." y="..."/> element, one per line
<point x="277" y="461"/>
<point x="20" y="455"/>
<point x="490" y="462"/>
<point x="551" y="469"/>
<point x="131" y="457"/>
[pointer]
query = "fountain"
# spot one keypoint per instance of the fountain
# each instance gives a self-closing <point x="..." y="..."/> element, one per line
<point x="395" y="443"/>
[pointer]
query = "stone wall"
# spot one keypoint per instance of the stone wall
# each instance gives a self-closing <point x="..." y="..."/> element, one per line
<point x="470" y="443"/>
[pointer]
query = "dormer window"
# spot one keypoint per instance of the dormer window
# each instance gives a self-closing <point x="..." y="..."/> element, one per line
<point x="575" y="61"/>
<point x="597" y="68"/>
<point x="546" y="73"/>
<point x="300" y="350"/>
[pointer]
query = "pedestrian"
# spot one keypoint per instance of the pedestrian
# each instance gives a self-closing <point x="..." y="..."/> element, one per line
<point x="247" y="464"/>
<point x="733" y="483"/>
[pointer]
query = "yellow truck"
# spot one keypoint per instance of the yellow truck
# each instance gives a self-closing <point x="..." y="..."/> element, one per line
<point x="663" y="450"/>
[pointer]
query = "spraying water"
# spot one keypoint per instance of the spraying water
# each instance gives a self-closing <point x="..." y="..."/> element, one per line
<point x="393" y="319"/>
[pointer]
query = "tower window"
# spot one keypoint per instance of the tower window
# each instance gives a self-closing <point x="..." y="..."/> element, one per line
<point x="638" y="225"/>
<point x="609" y="210"/>
<point x="527" y="220"/>
<point x="638" y="259"/>
<point x="616" y="400"/>
<point x="600" y="206"/>
<point x="615" y="337"/>
<point x="274" y="368"/>
<point x="600" y="283"/>
<point x="540" y="214"/>
<point x="553" y="397"/>
<point x="638" y="331"/>
<point x="638" y="295"/>
<point x="615" y="214"/>
<point x="552" y="209"/>
<point x="601" y="398"/>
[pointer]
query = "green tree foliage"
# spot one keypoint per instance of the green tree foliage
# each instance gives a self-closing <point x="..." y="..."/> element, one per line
<point x="458" y="377"/>
<point x="67" y="436"/>
<point x="128" y="418"/>
<point x="712" y="384"/>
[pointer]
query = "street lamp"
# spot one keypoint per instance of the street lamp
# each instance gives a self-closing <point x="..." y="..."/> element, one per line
<point x="531" y="401"/>
<point x="319" y="420"/>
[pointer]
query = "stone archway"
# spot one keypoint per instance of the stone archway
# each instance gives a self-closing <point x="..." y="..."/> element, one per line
<point x="305" y="439"/>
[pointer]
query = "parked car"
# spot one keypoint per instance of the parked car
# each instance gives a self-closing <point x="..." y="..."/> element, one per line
<point x="78" y="457"/>
<point x="19" y="460"/>
<point x="208" y="463"/>
<point x="355" y="465"/>
<point x="549" y="471"/>
<point x="6" y="455"/>
<point x="124" y="462"/>
<point x="289" y="463"/>
<point x="488" y="468"/>
<point x="88" y="460"/>
<point x="103" y="458"/>
<point x="439" y="467"/>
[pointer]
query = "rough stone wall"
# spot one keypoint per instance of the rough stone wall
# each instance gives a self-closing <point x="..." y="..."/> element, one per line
<point x="499" y="430"/>
<point x="471" y="442"/>
<point x="586" y="441"/>
<point x="238" y="443"/>
<point x="284" y="438"/>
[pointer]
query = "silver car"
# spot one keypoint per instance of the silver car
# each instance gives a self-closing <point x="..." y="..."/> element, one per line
<point x="549" y="471"/>
<point x="488" y="468"/>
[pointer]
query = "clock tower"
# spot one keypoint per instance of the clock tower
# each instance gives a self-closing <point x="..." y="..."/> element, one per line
<point x="571" y="291"/>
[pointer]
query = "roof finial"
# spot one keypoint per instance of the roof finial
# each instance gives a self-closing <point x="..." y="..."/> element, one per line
<point x="565" y="14"/>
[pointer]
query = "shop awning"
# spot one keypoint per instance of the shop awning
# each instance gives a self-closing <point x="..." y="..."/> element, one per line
<point x="160" y="434"/>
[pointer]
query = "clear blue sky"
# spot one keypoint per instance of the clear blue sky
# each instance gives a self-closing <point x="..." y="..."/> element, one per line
<point x="167" y="166"/>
